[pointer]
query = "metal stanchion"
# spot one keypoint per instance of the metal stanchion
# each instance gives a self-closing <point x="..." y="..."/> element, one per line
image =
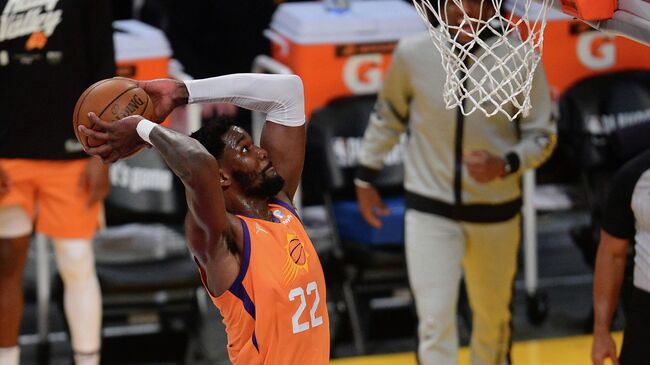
<point x="537" y="306"/>
<point x="43" y="290"/>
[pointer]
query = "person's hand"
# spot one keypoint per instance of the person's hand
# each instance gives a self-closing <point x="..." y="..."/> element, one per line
<point x="371" y="205"/>
<point x="484" y="166"/>
<point x="120" y="138"/>
<point x="166" y="94"/>
<point x="94" y="180"/>
<point x="219" y="109"/>
<point x="4" y="183"/>
<point x="603" y="348"/>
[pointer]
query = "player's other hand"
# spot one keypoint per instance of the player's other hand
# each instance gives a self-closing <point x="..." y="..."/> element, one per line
<point x="166" y="94"/>
<point x="4" y="183"/>
<point x="484" y="166"/>
<point x="94" y="180"/>
<point x="371" y="205"/>
<point x="120" y="138"/>
<point x="603" y="348"/>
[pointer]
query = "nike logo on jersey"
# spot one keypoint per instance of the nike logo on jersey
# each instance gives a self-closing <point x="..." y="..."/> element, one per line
<point x="259" y="229"/>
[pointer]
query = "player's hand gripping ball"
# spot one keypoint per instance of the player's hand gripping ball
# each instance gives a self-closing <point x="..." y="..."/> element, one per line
<point x="111" y="100"/>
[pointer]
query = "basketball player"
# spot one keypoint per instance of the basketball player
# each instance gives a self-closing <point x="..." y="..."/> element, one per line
<point x="626" y="219"/>
<point x="463" y="194"/>
<point x="256" y="261"/>
<point x="50" y="51"/>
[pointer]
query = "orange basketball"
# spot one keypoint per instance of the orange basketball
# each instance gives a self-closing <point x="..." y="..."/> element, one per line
<point x="111" y="99"/>
<point x="297" y="252"/>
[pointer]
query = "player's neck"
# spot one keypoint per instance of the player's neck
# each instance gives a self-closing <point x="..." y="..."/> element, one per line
<point x="249" y="206"/>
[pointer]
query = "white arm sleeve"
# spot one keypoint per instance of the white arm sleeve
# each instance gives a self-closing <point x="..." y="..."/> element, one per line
<point x="281" y="97"/>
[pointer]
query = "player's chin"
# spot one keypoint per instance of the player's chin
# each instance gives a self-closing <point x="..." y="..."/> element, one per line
<point x="269" y="187"/>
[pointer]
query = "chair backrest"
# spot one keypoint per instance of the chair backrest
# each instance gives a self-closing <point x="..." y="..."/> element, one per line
<point x="144" y="189"/>
<point x="144" y="212"/>
<point x="606" y="119"/>
<point x="334" y="143"/>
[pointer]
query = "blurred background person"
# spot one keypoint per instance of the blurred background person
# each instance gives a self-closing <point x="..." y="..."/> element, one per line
<point x="626" y="219"/>
<point x="463" y="196"/>
<point x="50" y="52"/>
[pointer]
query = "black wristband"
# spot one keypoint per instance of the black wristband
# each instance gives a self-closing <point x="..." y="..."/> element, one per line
<point x="367" y="174"/>
<point x="512" y="163"/>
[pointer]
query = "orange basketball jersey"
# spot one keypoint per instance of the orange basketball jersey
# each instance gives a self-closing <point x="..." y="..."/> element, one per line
<point x="275" y="312"/>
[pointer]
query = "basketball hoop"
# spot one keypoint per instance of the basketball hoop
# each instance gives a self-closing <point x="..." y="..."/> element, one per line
<point x="493" y="70"/>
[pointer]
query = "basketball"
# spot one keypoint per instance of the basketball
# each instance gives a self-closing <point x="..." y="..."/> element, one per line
<point x="297" y="252"/>
<point x="111" y="100"/>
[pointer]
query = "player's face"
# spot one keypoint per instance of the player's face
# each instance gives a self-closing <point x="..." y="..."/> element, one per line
<point x="250" y="165"/>
<point x="461" y="28"/>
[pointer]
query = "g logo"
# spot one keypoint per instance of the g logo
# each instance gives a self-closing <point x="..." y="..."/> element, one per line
<point x="362" y="73"/>
<point x="596" y="50"/>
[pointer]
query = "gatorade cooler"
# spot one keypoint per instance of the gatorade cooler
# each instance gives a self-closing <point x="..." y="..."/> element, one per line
<point x="574" y="51"/>
<point x="340" y="53"/>
<point x="141" y="51"/>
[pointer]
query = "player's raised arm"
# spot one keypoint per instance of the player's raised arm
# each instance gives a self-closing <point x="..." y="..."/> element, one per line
<point x="281" y="97"/>
<point x="213" y="234"/>
<point x="284" y="140"/>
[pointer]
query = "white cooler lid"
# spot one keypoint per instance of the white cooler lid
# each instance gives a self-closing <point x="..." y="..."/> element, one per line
<point x="136" y="40"/>
<point x="365" y="21"/>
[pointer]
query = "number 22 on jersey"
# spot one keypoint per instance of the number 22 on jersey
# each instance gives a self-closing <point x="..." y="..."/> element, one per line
<point x="310" y="296"/>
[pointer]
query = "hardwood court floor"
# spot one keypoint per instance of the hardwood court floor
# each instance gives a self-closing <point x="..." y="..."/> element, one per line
<point x="556" y="351"/>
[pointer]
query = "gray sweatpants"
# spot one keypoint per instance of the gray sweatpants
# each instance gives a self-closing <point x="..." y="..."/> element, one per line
<point x="438" y="250"/>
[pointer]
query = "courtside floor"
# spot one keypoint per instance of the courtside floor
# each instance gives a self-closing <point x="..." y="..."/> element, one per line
<point x="557" y="351"/>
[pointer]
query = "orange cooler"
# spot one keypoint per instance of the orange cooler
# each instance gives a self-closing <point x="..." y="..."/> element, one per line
<point x="573" y="51"/>
<point x="141" y="51"/>
<point x="340" y="54"/>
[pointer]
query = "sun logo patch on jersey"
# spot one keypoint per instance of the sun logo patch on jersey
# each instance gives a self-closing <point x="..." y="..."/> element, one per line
<point x="296" y="260"/>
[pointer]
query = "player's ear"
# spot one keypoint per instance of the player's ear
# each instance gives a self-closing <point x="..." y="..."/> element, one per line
<point x="224" y="179"/>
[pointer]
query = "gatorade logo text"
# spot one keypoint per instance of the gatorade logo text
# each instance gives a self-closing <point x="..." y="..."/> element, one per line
<point x="362" y="74"/>
<point x="596" y="50"/>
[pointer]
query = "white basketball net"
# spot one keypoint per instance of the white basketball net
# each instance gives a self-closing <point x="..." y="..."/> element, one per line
<point x="493" y="72"/>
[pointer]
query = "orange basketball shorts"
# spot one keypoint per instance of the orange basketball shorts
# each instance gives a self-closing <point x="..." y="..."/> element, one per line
<point x="49" y="193"/>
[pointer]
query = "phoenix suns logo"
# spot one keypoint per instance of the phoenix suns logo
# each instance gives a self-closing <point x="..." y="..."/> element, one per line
<point x="296" y="260"/>
<point x="39" y="18"/>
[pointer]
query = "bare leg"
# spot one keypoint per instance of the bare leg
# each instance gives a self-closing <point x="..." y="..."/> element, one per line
<point x="13" y="254"/>
<point x="82" y="298"/>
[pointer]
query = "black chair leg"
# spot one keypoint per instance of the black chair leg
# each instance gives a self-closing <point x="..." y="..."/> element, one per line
<point x="43" y="353"/>
<point x="355" y="319"/>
